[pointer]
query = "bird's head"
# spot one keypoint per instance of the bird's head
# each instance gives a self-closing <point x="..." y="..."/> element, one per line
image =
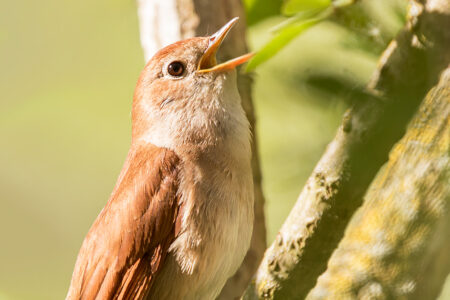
<point x="184" y="97"/>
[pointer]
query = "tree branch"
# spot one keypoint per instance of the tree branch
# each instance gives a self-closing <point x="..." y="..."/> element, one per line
<point x="165" y="21"/>
<point x="405" y="221"/>
<point x="407" y="70"/>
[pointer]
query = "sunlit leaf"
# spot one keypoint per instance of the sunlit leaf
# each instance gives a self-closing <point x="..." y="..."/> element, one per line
<point x="294" y="6"/>
<point x="279" y="41"/>
<point x="258" y="10"/>
<point x="303" y="16"/>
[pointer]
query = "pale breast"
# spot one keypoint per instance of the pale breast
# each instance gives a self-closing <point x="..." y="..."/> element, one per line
<point x="216" y="232"/>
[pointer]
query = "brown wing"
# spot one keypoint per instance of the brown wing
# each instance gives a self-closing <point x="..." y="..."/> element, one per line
<point x="128" y="242"/>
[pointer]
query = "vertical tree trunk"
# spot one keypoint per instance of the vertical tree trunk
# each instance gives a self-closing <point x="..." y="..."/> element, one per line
<point x="409" y="67"/>
<point x="165" y="21"/>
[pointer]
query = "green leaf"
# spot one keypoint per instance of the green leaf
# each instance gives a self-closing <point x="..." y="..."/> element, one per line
<point x="303" y="16"/>
<point x="258" y="10"/>
<point x="294" y="6"/>
<point x="286" y="35"/>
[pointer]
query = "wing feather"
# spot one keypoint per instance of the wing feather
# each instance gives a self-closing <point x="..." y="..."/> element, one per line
<point x="128" y="242"/>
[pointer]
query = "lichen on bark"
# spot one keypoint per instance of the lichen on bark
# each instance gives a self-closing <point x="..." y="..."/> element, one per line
<point x="406" y="71"/>
<point x="405" y="220"/>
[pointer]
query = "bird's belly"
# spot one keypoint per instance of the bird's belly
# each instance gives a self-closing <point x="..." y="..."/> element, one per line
<point x="199" y="264"/>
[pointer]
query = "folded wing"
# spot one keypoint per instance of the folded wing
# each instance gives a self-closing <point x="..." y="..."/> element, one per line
<point x="126" y="246"/>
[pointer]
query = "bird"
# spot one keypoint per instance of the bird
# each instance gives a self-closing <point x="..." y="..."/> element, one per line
<point x="179" y="220"/>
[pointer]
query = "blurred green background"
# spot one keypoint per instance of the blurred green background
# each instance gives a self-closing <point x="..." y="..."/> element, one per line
<point x="68" y="70"/>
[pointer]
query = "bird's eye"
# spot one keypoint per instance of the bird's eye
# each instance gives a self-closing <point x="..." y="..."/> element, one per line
<point x="175" y="68"/>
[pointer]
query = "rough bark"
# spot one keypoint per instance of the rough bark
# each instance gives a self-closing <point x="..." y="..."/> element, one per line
<point x="396" y="245"/>
<point x="165" y="21"/>
<point x="408" y="68"/>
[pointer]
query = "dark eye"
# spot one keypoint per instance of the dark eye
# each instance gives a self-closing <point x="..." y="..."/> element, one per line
<point x="175" y="68"/>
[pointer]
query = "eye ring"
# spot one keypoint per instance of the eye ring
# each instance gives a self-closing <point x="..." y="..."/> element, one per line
<point x="175" y="68"/>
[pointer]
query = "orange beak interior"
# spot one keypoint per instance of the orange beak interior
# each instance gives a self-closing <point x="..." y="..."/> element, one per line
<point x="208" y="62"/>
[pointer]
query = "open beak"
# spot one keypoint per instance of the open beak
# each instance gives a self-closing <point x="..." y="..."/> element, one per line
<point x="208" y="61"/>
